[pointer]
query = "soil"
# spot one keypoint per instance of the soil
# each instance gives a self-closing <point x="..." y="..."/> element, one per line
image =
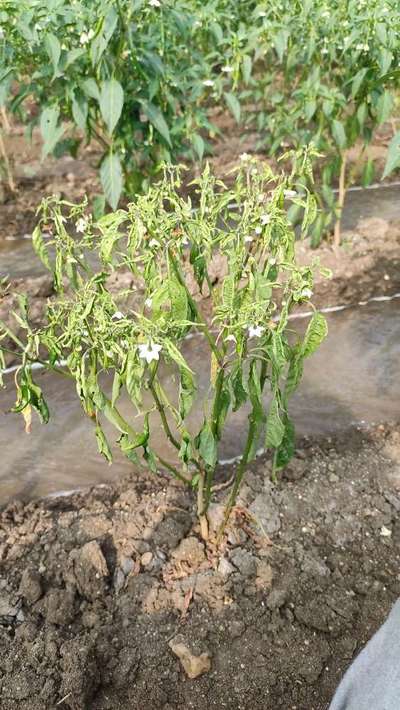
<point x="110" y="600"/>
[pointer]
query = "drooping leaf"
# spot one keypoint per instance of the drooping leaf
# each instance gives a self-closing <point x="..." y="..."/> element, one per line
<point x="198" y="145"/>
<point x="233" y="105"/>
<point x="80" y="110"/>
<point x="53" y="49"/>
<point x="111" y="103"/>
<point x="111" y="178"/>
<point x="187" y="392"/>
<point x="40" y="248"/>
<point x="275" y="426"/>
<point x="384" y="107"/>
<point x="102" y="444"/>
<point x="287" y="446"/>
<point x="207" y="445"/>
<point x="393" y="156"/>
<point x="238" y="390"/>
<point x="316" y="332"/>
<point x="49" y="128"/>
<point x="156" y="117"/>
<point x="339" y="134"/>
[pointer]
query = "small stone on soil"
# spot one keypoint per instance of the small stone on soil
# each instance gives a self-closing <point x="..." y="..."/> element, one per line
<point x="194" y="666"/>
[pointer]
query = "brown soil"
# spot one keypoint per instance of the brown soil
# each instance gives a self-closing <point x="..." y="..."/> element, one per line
<point x="110" y="600"/>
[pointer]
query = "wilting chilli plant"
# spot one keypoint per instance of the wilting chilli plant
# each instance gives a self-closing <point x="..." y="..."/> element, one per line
<point x="167" y="243"/>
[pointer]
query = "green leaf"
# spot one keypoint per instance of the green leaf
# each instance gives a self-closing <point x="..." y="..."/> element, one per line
<point x="116" y="388"/>
<point x="275" y="426"/>
<point x="238" y="390"/>
<point x="53" y="49"/>
<point x="287" y="446"/>
<point x="111" y="103"/>
<point x="281" y="42"/>
<point x="90" y="88"/>
<point x="393" y="157"/>
<point x="155" y="117"/>
<point x="339" y="134"/>
<point x="111" y="178"/>
<point x="233" y="105"/>
<point x="178" y="299"/>
<point x="207" y="446"/>
<point x="384" y="107"/>
<point x="40" y="248"/>
<point x="51" y="132"/>
<point x="357" y="81"/>
<point x="316" y="332"/>
<point x="385" y="60"/>
<point x="246" y="68"/>
<point x="368" y="173"/>
<point x="80" y="111"/>
<point x="187" y="392"/>
<point x="176" y="356"/>
<point x="102" y="444"/>
<point x="198" y="145"/>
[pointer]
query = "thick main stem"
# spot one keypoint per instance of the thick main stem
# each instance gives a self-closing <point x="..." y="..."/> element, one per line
<point x="340" y="202"/>
<point x="239" y="476"/>
<point x="201" y="507"/>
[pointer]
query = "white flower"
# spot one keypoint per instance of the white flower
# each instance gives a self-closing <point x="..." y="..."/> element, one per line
<point x="262" y="14"/>
<point x="117" y="315"/>
<point x="230" y="338"/>
<point x="255" y="331"/>
<point x="149" y="351"/>
<point x="227" y="69"/>
<point x="244" y="156"/>
<point x="184" y="240"/>
<point x="86" y="37"/>
<point x="325" y="50"/>
<point x="153" y="243"/>
<point x="306" y="293"/>
<point x="81" y="224"/>
<point x="154" y="3"/>
<point x="248" y="239"/>
<point x="290" y="193"/>
<point x="258" y="230"/>
<point x="265" y="219"/>
<point x="208" y="82"/>
<point x="148" y="302"/>
<point x="272" y="261"/>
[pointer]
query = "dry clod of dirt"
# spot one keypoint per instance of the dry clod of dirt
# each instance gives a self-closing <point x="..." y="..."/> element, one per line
<point x="194" y="666"/>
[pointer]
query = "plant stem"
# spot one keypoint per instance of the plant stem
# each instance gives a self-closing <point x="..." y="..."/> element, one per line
<point x="340" y="202"/>
<point x="274" y="464"/>
<point x="239" y="475"/>
<point x="164" y="420"/>
<point x="214" y="428"/>
<point x="173" y="470"/>
<point x="200" y="506"/>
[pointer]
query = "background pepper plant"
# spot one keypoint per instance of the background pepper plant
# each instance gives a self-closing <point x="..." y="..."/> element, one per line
<point x="326" y="72"/>
<point x="114" y="346"/>
<point x="134" y="75"/>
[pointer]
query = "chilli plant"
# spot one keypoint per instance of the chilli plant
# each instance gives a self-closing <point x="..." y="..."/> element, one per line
<point x="327" y="72"/>
<point x="115" y="345"/>
<point x="136" y="76"/>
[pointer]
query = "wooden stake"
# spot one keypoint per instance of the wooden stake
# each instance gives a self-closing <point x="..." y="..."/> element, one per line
<point x="340" y="203"/>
